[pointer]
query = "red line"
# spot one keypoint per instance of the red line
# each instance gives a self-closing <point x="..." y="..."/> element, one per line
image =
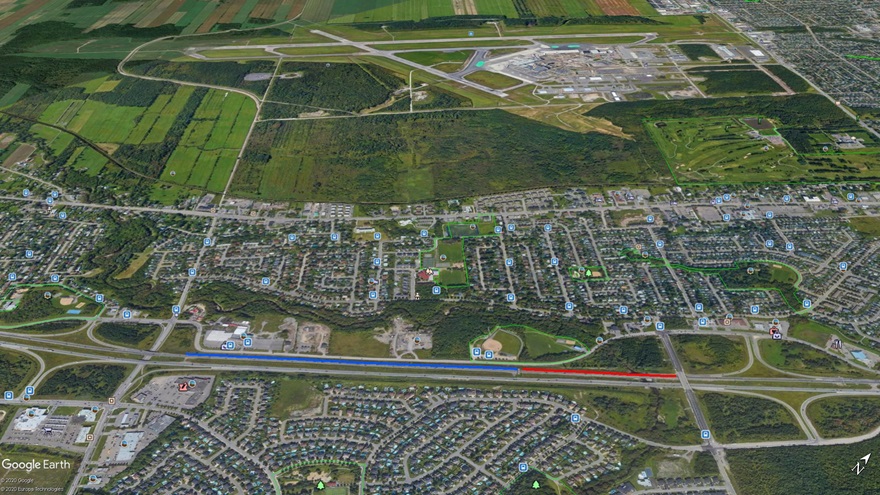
<point x="597" y="372"/>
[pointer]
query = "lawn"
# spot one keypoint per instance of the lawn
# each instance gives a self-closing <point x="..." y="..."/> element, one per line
<point x="800" y="358"/>
<point x="450" y="251"/>
<point x="437" y="57"/>
<point x="478" y="227"/>
<point x="539" y="344"/>
<point x="492" y="80"/>
<point x="236" y="53"/>
<point x="362" y="344"/>
<point x="452" y="277"/>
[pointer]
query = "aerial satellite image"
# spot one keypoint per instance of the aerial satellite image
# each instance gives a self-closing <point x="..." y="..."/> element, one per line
<point x="440" y="247"/>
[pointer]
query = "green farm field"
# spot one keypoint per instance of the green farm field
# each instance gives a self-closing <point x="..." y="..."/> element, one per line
<point x="362" y="344"/>
<point x="177" y="134"/>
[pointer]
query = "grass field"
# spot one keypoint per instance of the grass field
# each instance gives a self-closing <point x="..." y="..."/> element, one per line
<point x="181" y="340"/>
<point x="539" y="344"/>
<point x="710" y="353"/>
<point x="136" y="264"/>
<point x="438" y="57"/>
<point x="510" y="343"/>
<point x="237" y="53"/>
<point x="293" y="395"/>
<point x="144" y="127"/>
<point x="359" y="11"/>
<point x="816" y="333"/>
<point x="492" y="80"/>
<point x="211" y="142"/>
<point x="361" y="344"/>
<point x="869" y="226"/>
<point x="697" y="51"/>
<point x="800" y="358"/>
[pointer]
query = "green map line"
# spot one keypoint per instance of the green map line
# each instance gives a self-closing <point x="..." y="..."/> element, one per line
<point x="448" y="236"/>
<point x="273" y="476"/>
<point x="13" y="287"/>
<point x="581" y="355"/>
<point x="634" y="255"/>
<point x="863" y="57"/>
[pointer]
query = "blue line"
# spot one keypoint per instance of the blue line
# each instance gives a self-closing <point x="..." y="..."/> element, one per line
<point x="353" y="362"/>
